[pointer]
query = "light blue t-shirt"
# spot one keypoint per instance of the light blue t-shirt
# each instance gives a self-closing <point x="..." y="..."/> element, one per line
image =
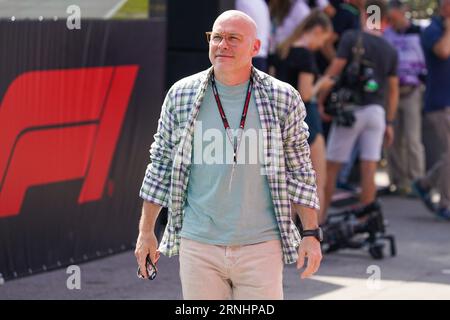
<point x="214" y="212"/>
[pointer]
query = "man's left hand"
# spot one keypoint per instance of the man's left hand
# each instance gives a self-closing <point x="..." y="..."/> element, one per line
<point x="309" y="248"/>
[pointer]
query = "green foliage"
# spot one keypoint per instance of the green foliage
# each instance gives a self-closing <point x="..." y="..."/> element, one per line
<point x="421" y="9"/>
<point x="133" y="9"/>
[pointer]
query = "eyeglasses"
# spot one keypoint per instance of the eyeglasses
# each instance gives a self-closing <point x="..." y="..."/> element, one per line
<point x="233" y="39"/>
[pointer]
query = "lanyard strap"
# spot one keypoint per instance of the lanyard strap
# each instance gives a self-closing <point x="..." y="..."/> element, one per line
<point x="234" y="142"/>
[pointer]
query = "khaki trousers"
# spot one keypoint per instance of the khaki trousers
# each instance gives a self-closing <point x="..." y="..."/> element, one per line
<point x="406" y="157"/>
<point x="231" y="272"/>
<point x="439" y="175"/>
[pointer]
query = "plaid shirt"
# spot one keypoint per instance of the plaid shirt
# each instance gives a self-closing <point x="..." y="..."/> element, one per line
<point x="287" y="156"/>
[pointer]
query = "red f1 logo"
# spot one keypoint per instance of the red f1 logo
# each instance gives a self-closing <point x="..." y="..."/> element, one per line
<point x="59" y="125"/>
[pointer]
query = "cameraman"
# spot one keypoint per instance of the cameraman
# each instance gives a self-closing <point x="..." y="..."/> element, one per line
<point x="367" y="121"/>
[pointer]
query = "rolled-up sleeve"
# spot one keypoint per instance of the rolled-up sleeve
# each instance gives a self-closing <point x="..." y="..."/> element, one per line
<point x="301" y="177"/>
<point x="156" y="185"/>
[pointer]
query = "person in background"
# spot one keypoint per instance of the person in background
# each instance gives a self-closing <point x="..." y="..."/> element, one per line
<point x="323" y="5"/>
<point x="436" y="46"/>
<point x="372" y="122"/>
<point x="258" y="10"/>
<point x="406" y="158"/>
<point x="285" y="15"/>
<point x="298" y="67"/>
<point x="348" y="17"/>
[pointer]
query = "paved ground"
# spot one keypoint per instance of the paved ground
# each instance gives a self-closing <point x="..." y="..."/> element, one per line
<point x="32" y="9"/>
<point x="420" y="271"/>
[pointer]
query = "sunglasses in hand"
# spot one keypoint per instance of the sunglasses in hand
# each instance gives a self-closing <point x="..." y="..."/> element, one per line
<point x="150" y="267"/>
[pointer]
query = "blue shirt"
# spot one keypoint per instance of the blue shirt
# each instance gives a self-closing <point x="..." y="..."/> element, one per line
<point x="437" y="93"/>
<point x="214" y="213"/>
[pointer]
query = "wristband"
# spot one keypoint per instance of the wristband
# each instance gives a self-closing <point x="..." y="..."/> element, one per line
<point x="390" y="122"/>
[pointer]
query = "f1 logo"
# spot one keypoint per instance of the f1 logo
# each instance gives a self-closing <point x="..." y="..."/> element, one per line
<point x="59" y="125"/>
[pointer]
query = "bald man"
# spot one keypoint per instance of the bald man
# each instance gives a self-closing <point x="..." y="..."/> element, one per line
<point x="230" y="160"/>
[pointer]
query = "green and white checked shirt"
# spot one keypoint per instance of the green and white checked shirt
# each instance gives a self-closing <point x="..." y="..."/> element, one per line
<point x="287" y="162"/>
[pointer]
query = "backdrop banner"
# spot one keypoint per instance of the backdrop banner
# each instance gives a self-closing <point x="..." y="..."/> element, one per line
<point x="78" y="112"/>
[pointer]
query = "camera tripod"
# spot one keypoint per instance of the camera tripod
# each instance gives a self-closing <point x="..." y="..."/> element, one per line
<point x="356" y="228"/>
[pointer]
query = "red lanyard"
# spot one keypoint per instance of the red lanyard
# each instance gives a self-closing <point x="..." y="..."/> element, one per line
<point x="234" y="142"/>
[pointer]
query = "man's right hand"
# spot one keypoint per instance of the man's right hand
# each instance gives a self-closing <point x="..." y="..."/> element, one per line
<point x="146" y="244"/>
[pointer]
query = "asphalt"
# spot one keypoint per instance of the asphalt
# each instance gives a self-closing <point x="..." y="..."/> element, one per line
<point x="421" y="269"/>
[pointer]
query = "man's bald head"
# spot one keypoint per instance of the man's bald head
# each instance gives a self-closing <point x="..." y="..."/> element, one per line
<point x="233" y="45"/>
<point x="241" y="19"/>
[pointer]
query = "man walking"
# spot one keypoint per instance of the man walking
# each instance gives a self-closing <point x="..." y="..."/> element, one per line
<point x="229" y="214"/>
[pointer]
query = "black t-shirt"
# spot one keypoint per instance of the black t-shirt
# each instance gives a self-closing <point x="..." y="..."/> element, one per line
<point x="380" y="53"/>
<point x="346" y="18"/>
<point x="335" y="3"/>
<point x="299" y="60"/>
